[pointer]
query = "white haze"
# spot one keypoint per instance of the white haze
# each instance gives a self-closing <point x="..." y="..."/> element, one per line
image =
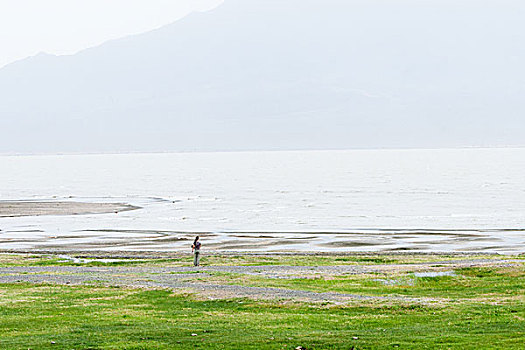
<point x="60" y="27"/>
<point x="294" y="74"/>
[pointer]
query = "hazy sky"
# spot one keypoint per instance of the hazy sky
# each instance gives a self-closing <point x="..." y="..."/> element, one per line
<point x="28" y="27"/>
<point x="263" y="74"/>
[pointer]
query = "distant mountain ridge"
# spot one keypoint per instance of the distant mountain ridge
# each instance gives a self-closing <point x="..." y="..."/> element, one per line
<point x="294" y="74"/>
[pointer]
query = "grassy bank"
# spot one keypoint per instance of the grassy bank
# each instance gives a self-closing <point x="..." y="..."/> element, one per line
<point x="241" y="259"/>
<point x="474" y="308"/>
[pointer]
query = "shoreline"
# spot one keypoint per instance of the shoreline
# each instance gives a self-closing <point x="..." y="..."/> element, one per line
<point x="51" y="226"/>
<point x="177" y="254"/>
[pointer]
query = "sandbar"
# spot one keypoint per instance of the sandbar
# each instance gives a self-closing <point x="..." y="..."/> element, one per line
<point x="39" y="208"/>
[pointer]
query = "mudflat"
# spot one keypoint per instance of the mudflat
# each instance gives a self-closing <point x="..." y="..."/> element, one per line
<point x="39" y="208"/>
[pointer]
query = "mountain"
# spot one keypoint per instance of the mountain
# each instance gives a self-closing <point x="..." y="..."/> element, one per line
<point x="282" y="74"/>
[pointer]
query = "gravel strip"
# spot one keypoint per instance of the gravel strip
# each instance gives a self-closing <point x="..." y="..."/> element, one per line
<point x="186" y="277"/>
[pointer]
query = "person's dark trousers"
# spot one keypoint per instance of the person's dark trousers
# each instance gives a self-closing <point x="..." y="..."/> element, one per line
<point x="196" y="257"/>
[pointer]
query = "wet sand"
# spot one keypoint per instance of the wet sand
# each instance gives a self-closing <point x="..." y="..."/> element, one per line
<point x="31" y="208"/>
<point x="64" y="235"/>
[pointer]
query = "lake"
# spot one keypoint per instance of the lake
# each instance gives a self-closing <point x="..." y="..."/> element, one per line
<point x="358" y="200"/>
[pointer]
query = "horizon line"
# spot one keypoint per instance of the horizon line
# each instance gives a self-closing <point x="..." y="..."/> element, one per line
<point x="94" y="153"/>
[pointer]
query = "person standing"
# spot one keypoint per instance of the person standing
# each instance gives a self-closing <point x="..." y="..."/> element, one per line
<point x="196" y="250"/>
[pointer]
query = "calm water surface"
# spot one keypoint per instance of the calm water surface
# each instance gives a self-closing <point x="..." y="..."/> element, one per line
<point x="366" y="200"/>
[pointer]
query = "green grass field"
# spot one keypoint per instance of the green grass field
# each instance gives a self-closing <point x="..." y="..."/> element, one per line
<point x="477" y="308"/>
